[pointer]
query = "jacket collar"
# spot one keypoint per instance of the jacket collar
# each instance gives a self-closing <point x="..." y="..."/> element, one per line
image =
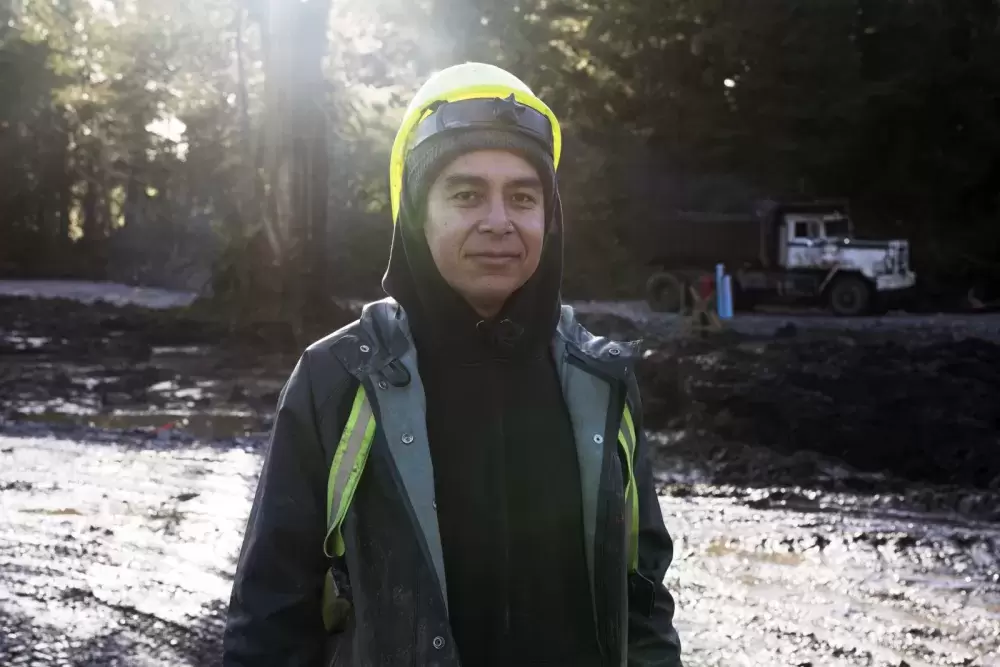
<point x="384" y="336"/>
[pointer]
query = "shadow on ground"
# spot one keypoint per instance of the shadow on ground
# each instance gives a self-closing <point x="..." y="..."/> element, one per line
<point x="134" y="638"/>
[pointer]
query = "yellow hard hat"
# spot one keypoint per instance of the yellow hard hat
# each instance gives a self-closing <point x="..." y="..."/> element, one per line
<point x="505" y="100"/>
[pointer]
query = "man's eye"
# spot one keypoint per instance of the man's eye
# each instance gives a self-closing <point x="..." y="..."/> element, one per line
<point x="524" y="199"/>
<point x="466" y="197"/>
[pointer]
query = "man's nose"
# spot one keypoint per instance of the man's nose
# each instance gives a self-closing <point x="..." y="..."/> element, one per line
<point x="495" y="220"/>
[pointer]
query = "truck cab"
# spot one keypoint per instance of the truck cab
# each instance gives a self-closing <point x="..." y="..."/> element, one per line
<point x="820" y="244"/>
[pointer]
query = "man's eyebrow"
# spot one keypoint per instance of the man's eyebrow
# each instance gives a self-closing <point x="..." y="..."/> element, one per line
<point x="458" y="180"/>
<point x="528" y="182"/>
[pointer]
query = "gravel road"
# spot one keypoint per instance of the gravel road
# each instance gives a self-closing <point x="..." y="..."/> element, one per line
<point x="115" y="550"/>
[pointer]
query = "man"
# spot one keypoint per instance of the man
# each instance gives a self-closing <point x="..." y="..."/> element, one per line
<point x="460" y="477"/>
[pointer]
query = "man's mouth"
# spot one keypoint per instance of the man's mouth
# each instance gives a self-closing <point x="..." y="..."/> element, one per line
<point x="494" y="255"/>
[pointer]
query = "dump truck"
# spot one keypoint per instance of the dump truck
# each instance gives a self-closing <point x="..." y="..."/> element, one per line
<point x="780" y="253"/>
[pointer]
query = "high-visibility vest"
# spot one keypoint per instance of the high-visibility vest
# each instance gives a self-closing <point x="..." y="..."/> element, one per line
<point x="349" y="463"/>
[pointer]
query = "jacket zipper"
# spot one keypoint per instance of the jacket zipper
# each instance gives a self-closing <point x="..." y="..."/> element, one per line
<point x="501" y="467"/>
<point x="612" y="504"/>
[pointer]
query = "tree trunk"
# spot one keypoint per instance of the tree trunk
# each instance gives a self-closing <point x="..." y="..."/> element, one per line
<point x="311" y="152"/>
<point x="295" y="144"/>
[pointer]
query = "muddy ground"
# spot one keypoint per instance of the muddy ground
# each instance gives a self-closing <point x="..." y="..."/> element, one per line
<point x="833" y="490"/>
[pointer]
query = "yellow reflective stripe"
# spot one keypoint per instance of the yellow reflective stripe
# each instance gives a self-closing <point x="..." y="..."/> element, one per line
<point x="627" y="451"/>
<point x="631" y="426"/>
<point x="626" y="438"/>
<point x="348" y="462"/>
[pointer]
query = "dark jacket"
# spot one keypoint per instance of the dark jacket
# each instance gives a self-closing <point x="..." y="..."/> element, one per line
<point x="393" y="565"/>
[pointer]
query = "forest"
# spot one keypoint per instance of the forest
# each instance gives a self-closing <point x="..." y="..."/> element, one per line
<point x="240" y="147"/>
<point x="831" y="485"/>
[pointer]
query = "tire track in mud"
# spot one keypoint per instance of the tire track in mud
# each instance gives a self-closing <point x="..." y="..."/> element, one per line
<point x="783" y="587"/>
<point x="666" y="325"/>
<point x="119" y="551"/>
<point x="118" y="554"/>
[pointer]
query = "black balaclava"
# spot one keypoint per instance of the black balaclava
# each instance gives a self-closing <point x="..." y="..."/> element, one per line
<point x="441" y="320"/>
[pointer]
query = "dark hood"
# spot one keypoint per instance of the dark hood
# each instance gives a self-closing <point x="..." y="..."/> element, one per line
<point x="445" y="325"/>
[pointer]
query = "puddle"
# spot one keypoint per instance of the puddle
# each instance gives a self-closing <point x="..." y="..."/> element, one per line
<point x="22" y="343"/>
<point x="181" y="351"/>
<point x="177" y="390"/>
<point x="200" y="425"/>
<point x="53" y="512"/>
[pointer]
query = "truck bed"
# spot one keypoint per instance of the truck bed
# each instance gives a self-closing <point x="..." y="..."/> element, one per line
<point x="700" y="240"/>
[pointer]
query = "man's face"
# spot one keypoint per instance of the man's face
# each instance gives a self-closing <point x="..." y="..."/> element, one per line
<point x="485" y="226"/>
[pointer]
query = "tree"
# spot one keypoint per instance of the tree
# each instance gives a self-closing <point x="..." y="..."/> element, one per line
<point x="141" y="138"/>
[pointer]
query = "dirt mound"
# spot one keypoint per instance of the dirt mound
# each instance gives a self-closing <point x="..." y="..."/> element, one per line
<point x="927" y="411"/>
<point x="68" y="328"/>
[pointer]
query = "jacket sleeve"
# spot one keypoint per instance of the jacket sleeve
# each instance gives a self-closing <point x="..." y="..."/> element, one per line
<point x="275" y="617"/>
<point x="653" y="641"/>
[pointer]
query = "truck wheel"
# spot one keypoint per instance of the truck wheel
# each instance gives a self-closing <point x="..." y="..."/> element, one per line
<point x="849" y="296"/>
<point x="665" y="293"/>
